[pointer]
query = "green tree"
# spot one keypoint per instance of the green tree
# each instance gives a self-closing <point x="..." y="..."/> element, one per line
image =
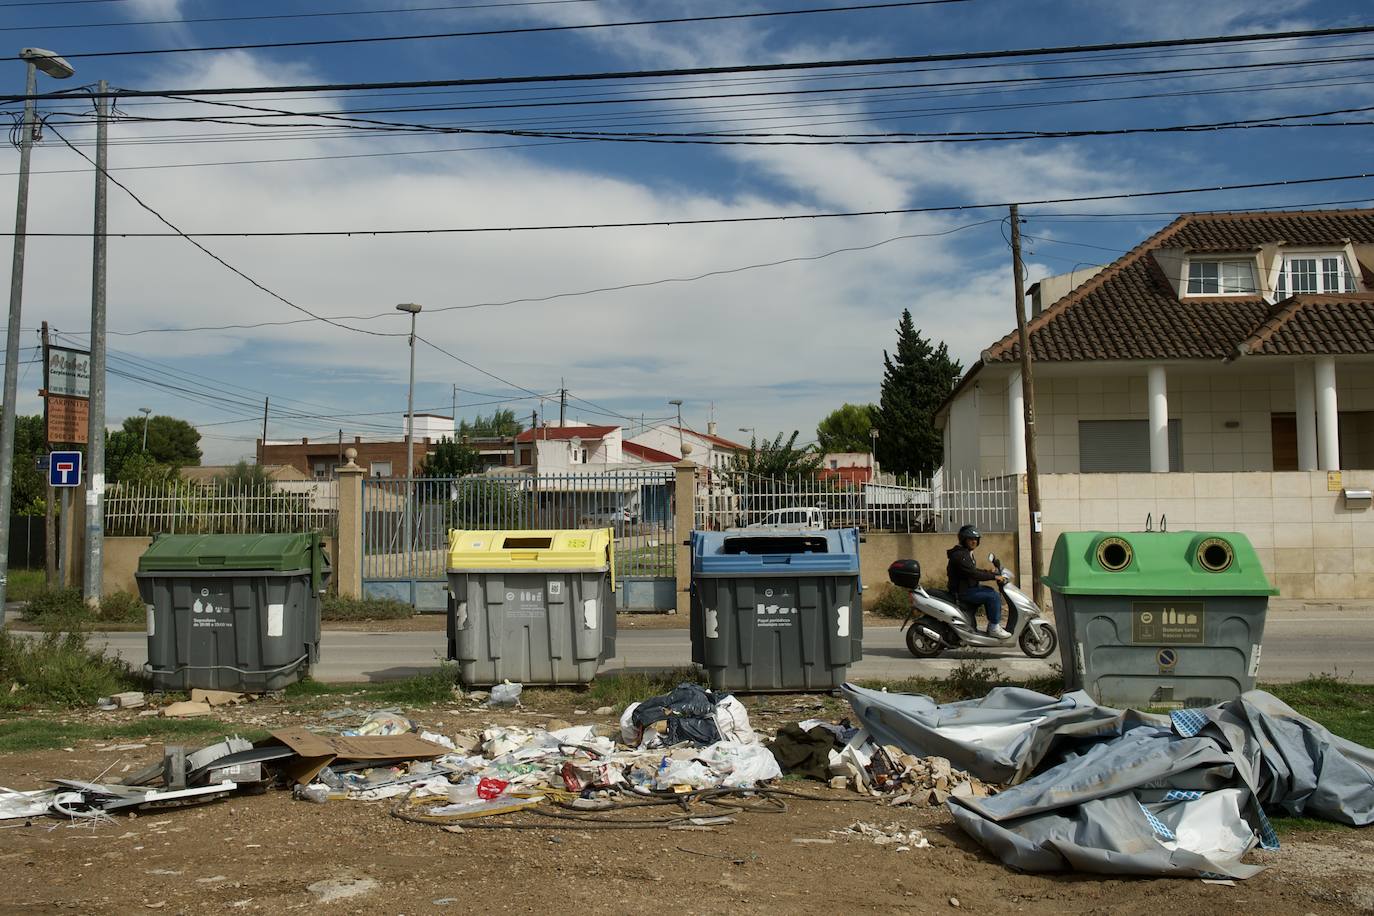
<point x="846" y="429"/>
<point x="120" y="447"/>
<point x="451" y="459"/>
<point x="502" y="422"/>
<point x="916" y="380"/>
<point x="774" y="459"/>
<point x="30" y="491"/>
<point x="246" y="475"/>
<point x="170" y="441"/>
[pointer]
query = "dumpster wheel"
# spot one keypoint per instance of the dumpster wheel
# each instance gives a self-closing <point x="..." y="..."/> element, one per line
<point x="1039" y="642"/>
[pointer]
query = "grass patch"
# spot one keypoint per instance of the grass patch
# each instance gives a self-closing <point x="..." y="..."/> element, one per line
<point x="58" y="668"/>
<point x="1286" y="826"/>
<point x="44" y="734"/>
<point x="64" y="608"/>
<point x="1347" y="709"/>
<point x="428" y="689"/>
<point x="24" y="584"/>
<point x="620" y="690"/>
<point x="336" y="608"/>
<point x="892" y="602"/>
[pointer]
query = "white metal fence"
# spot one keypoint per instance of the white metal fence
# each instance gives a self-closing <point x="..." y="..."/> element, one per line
<point x="181" y="507"/>
<point x="943" y="503"/>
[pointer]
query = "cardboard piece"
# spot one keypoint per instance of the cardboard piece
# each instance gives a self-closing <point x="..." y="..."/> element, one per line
<point x="315" y="752"/>
<point x="215" y="697"/>
<point x="185" y="710"/>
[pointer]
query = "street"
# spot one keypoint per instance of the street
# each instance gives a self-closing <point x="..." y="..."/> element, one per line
<point x="1298" y="642"/>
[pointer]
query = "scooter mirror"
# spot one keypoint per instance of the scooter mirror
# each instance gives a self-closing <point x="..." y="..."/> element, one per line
<point x="992" y="558"/>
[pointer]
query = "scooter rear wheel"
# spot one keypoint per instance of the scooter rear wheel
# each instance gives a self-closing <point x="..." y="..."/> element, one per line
<point x="1039" y="642"/>
<point x="921" y="645"/>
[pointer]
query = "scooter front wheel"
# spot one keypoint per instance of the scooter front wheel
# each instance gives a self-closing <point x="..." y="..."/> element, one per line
<point x="1039" y="642"/>
<point x="921" y="645"/>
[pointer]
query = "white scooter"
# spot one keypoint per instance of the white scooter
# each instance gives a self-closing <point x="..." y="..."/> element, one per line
<point x="938" y="621"/>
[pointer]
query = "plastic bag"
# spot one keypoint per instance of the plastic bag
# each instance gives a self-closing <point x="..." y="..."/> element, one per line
<point x="382" y="723"/>
<point x="490" y="788"/>
<point x="733" y="721"/>
<point x="740" y="766"/>
<point x="506" y="694"/>
<point x="684" y="773"/>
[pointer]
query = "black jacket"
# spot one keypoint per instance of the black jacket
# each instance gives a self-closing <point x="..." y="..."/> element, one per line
<point x="963" y="571"/>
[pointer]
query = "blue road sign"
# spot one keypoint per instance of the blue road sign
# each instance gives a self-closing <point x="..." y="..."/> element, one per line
<point x="64" y="469"/>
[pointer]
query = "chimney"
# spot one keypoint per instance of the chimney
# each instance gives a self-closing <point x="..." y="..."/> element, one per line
<point x="710" y="427"/>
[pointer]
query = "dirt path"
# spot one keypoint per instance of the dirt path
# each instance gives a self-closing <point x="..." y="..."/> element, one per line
<point x="264" y="853"/>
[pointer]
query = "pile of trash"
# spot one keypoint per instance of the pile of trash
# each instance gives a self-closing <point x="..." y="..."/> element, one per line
<point x="1126" y="792"/>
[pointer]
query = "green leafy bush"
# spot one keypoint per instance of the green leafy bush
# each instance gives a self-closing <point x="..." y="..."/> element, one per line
<point x="335" y="608"/>
<point x="122" y="607"/>
<point x="64" y="607"/>
<point x="55" y="604"/>
<point x="892" y="602"/>
<point x="58" y="667"/>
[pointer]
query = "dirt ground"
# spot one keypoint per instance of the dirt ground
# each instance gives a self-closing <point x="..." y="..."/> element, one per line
<point x="263" y="854"/>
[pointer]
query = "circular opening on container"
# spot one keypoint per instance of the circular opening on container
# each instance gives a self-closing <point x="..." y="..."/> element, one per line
<point x="1114" y="554"/>
<point x="1215" y="555"/>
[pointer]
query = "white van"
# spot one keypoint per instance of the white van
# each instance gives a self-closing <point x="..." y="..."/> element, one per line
<point x="803" y="518"/>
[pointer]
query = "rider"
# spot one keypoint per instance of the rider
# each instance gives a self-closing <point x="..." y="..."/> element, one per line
<point x="965" y="580"/>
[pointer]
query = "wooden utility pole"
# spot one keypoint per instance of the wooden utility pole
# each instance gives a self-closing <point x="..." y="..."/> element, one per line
<point x="49" y="510"/>
<point x="1028" y="398"/>
<point x="263" y="451"/>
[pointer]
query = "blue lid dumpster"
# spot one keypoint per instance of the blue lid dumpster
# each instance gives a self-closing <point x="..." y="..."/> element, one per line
<point x="1162" y="618"/>
<point x="776" y="610"/>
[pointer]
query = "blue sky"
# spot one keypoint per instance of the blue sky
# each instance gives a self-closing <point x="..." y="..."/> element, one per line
<point x="774" y="348"/>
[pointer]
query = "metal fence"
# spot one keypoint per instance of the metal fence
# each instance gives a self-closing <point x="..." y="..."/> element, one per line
<point x="895" y="504"/>
<point x="635" y="504"/>
<point x="180" y="507"/>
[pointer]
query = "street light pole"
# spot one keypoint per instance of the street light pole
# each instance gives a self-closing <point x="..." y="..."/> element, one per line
<point x="413" y="310"/>
<point x="95" y="442"/>
<point x="57" y="68"/>
<point x="145" y="411"/>
<point x="681" y="445"/>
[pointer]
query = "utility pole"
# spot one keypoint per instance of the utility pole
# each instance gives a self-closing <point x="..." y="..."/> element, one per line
<point x="412" y="309"/>
<point x="95" y="440"/>
<point x="455" y="412"/>
<point x="50" y="510"/>
<point x="562" y="404"/>
<point x="263" y="450"/>
<point x="1028" y="397"/>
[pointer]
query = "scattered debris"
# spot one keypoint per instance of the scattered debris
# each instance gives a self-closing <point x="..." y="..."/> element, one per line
<point x="216" y="697"/>
<point x="332" y="889"/>
<point x="131" y="699"/>
<point x="185" y="710"/>
<point x="890" y="835"/>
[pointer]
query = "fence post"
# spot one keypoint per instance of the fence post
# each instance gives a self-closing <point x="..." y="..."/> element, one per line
<point x="684" y="517"/>
<point x="348" y="565"/>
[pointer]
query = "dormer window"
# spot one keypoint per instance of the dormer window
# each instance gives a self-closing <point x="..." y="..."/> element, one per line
<point x="1222" y="277"/>
<point x="1318" y="272"/>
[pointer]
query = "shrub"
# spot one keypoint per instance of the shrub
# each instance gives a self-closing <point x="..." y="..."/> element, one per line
<point x="64" y="607"/>
<point x="892" y="602"/>
<point x="55" y="604"/>
<point x="122" y="607"/>
<point x="58" y="667"/>
<point x="335" y="608"/>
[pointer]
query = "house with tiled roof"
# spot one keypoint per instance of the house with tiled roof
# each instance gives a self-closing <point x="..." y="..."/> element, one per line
<point x="549" y="449"/>
<point x="1220" y="373"/>
<point x="708" y="449"/>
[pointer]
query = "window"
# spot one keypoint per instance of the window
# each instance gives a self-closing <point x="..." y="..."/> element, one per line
<point x="1222" y="278"/>
<point x="379" y="469"/>
<point x="1123" y="446"/>
<point x="323" y="470"/>
<point x="1314" y="273"/>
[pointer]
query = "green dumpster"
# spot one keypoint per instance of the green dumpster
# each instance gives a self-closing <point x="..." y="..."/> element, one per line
<point x="232" y="611"/>
<point x="1163" y="618"/>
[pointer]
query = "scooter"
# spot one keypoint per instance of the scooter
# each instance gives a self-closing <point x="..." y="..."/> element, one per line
<point x="938" y="621"/>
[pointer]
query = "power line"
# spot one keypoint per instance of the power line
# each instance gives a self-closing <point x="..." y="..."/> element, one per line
<point x="1001" y="54"/>
<point x="166" y="222"/>
<point x="720" y="220"/>
<point x="333" y="13"/>
<point x="525" y="30"/>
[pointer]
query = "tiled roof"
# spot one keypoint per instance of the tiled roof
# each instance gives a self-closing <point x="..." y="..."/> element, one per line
<point x="552" y="433"/>
<point x="644" y="453"/>
<point x="1303" y="325"/>
<point x="1129" y="310"/>
<point x="716" y="440"/>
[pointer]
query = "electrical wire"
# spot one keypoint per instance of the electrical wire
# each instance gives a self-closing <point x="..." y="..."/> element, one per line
<point x="524" y="30"/>
<point x="780" y="67"/>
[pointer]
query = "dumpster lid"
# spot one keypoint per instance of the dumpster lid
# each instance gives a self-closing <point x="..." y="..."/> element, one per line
<point x="1144" y="563"/>
<point x="554" y="549"/>
<point x="753" y="552"/>
<point x="274" y="552"/>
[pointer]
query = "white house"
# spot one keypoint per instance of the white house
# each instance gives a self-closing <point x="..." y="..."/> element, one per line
<point x="707" y="449"/>
<point x="566" y="449"/>
<point x="1220" y="373"/>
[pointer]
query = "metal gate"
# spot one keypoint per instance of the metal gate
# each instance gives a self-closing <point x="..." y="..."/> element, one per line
<point x="406" y="524"/>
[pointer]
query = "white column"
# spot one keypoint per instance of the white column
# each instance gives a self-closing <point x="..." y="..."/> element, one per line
<point x="1306" y="400"/>
<point x="1159" y="421"/>
<point x="1016" y="426"/>
<point x="1328" y="435"/>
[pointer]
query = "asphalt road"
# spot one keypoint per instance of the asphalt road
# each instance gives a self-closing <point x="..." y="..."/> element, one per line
<point x="1297" y="643"/>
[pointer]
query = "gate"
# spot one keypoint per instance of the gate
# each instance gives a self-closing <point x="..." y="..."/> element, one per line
<point x="406" y="524"/>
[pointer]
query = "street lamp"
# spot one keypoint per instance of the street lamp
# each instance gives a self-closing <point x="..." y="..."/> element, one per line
<point x="36" y="59"/>
<point x="681" y="445"/>
<point x="873" y="452"/>
<point x="146" y="411"/>
<point x="753" y="433"/>
<point x="413" y="310"/>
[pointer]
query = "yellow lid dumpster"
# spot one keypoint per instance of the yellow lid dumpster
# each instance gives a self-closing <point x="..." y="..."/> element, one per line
<point x="533" y="607"/>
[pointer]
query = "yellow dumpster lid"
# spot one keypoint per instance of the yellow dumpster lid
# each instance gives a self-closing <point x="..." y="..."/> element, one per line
<point x="563" y="549"/>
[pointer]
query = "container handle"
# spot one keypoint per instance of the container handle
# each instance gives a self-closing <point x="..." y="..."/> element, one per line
<point x="780" y="558"/>
<point x="610" y="549"/>
<point x="210" y="561"/>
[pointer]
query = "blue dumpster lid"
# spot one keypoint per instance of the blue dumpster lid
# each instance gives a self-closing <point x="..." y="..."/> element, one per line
<point x="752" y="552"/>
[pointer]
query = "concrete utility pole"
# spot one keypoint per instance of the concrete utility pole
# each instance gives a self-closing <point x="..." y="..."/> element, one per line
<point x="681" y="444"/>
<point x="562" y="404"/>
<point x="1028" y="396"/>
<point x="50" y="505"/>
<point x="36" y="59"/>
<point x="266" y="402"/>
<point x="412" y="309"/>
<point x="95" y="441"/>
<point x="148" y="412"/>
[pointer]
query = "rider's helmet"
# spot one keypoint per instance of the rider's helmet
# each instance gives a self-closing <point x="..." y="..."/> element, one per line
<point x="969" y="533"/>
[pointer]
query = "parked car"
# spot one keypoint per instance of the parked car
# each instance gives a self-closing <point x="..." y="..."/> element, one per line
<point x="615" y="517"/>
<point x="805" y="518"/>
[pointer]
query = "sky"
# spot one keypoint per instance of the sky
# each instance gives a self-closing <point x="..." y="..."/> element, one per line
<point x="767" y="325"/>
